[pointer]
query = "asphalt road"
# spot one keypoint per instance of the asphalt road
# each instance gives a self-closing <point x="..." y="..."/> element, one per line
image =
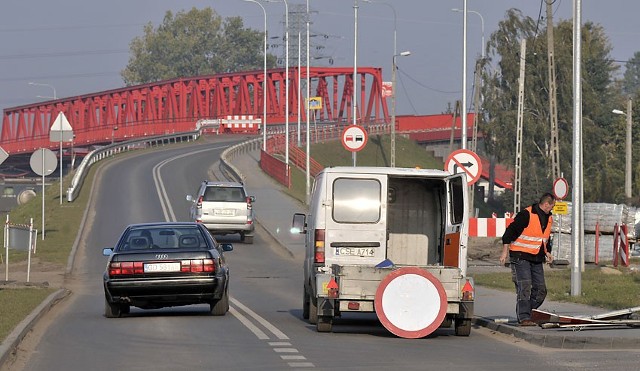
<point x="264" y="329"/>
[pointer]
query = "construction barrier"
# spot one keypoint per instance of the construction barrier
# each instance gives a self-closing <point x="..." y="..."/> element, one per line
<point x="620" y="245"/>
<point x="240" y="124"/>
<point x="488" y="227"/>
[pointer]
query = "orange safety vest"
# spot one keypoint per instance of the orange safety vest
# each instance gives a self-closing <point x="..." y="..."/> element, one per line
<point x="532" y="237"/>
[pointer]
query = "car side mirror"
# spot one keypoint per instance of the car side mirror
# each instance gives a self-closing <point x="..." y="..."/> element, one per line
<point x="299" y="223"/>
<point x="252" y="198"/>
<point x="226" y="247"/>
<point x="189" y="198"/>
<point x="107" y="251"/>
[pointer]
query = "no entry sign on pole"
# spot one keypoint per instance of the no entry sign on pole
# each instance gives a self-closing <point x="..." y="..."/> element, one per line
<point x="464" y="161"/>
<point x="354" y="138"/>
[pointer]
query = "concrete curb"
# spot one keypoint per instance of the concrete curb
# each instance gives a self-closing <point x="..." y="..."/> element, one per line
<point x="536" y="336"/>
<point x="8" y="346"/>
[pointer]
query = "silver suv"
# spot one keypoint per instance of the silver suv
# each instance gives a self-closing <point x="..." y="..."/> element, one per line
<point x="224" y="208"/>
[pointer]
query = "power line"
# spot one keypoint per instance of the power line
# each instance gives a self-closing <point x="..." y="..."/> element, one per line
<point x="63" y="54"/>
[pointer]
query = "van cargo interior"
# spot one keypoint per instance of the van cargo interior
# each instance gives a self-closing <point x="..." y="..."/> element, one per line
<point x="415" y="221"/>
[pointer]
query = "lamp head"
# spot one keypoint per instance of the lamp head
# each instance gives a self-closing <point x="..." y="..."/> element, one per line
<point x="618" y="112"/>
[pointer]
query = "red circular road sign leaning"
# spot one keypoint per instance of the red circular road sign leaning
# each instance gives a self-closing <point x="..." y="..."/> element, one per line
<point x="560" y="188"/>
<point x="354" y="138"/>
<point x="464" y="160"/>
<point x="410" y="302"/>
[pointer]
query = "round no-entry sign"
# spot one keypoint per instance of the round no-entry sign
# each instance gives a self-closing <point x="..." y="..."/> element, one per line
<point x="410" y="302"/>
<point x="464" y="161"/>
<point x="560" y="188"/>
<point x="354" y="138"/>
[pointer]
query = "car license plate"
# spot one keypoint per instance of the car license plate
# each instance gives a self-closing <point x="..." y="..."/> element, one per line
<point x="355" y="251"/>
<point x="162" y="267"/>
<point x="224" y="212"/>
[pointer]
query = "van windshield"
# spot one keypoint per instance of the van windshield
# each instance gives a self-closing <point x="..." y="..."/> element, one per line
<point x="356" y="200"/>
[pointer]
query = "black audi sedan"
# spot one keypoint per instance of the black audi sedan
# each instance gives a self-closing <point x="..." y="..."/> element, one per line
<point x="164" y="264"/>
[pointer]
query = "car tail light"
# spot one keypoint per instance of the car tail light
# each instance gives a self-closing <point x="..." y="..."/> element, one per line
<point x="249" y="205"/>
<point x="197" y="266"/>
<point x="199" y="203"/>
<point x="125" y="268"/>
<point x="319" y="245"/>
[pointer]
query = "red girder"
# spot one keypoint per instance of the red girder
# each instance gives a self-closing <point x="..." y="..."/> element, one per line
<point x="176" y="105"/>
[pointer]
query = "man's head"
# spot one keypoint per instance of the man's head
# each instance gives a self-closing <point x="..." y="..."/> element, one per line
<point x="547" y="202"/>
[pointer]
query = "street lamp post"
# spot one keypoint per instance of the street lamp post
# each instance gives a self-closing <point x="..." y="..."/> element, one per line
<point x="286" y="68"/>
<point x="627" y="173"/>
<point x="264" y="79"/>
<point x="393" y="106"/>
<point x="308" y="163"/>
<point x="482" y="26"/>
<point x="55" y="97"/>
<point x="393" y="78"/>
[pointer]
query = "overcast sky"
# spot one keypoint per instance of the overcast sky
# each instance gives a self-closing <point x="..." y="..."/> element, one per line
<point x="80" y="46"/>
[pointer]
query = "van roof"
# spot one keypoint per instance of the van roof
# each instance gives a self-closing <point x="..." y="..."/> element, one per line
<point x="401" y="171"/>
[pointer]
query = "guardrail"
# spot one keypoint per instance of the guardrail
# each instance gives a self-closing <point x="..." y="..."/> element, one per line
<point x="115" y="148"/>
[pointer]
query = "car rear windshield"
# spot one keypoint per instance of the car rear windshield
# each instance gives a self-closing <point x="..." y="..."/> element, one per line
<point x="224" y="194"/>
<point x="142" y="238"/>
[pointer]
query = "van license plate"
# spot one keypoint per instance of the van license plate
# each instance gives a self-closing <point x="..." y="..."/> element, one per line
<point x="355" y="251"/>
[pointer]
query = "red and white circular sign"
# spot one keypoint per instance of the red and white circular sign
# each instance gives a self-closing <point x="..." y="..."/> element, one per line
<point x="354" y="138"/>
<point x="560" y="188"/>
<point x="410" y="302"/>
<point x="464" y="161"/>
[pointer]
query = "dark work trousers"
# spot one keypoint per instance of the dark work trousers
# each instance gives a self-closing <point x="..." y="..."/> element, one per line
<point x="530" y="287"/>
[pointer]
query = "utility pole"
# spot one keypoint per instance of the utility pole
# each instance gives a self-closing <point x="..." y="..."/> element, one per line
<point x="518" y="175"/>
<point x="456" y="114"/>
<point x="553" y="106"/>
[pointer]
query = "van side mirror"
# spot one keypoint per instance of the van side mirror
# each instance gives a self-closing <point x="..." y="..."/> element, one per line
<point x="299" y="223"/>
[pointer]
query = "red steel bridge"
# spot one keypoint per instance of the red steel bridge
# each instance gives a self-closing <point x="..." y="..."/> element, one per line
<point x="171" y="106"/>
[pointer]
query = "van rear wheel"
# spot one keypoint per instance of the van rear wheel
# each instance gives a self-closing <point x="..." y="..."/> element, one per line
<point x="305" y="303"/>
<point x="463" y="327"/>
<point x="313" y="311"/>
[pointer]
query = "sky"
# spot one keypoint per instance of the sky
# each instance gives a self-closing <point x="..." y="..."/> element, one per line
<point x="75" y="47"/>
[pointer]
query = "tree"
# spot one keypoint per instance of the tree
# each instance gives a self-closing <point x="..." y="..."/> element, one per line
<point x="603" y="133"/>
<point x="631" y="81"/>
<point x="194" y="43"/>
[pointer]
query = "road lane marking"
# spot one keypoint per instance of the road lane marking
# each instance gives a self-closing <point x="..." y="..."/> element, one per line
<point x="167" y="209"/>
<point x="248" y="324"/>
<point x="279" y="334"/>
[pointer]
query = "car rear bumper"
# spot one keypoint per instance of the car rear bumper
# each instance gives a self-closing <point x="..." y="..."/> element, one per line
<point x="228" y="228"/>
<point x="166" y="290"/>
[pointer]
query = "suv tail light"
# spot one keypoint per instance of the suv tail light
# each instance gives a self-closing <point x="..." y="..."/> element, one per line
<point x="319" y="245"/>
<point x="199" y="203"/>
<point x="249" y="207"/>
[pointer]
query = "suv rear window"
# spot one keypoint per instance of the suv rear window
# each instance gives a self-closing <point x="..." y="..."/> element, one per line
<point x="224" y="194"/>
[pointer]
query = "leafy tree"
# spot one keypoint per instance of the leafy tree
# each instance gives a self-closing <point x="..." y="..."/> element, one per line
<point x="194" y="43"/>
<point x="631" y="81"/>
<point x="603" y="133"/>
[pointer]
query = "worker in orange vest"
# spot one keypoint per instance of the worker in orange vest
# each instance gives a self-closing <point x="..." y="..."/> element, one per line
<point x="526" y="240"/>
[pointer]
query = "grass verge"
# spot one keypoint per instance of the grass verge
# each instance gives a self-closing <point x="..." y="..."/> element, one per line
<point x="601" y="286"/>
<point x="16" y="304"/>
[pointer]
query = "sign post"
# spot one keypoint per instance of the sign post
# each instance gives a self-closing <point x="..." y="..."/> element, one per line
<point x="61" y="131"/>
<point x="43" y="162"/>
<point x="560" y="191"/>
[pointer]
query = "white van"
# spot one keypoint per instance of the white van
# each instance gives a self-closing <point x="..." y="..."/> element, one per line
<point x="365" y="223"/>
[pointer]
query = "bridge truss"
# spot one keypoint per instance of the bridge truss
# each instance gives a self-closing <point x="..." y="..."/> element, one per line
<point x="171" y="106"/>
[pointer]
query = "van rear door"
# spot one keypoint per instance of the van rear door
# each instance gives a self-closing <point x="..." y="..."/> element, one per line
<point x="356" y="225"/>
<point x="456" y="221"/>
